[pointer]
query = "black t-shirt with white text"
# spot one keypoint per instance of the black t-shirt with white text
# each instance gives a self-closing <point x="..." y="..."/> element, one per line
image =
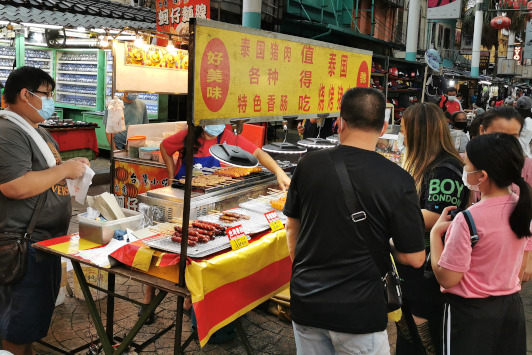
<point x="335" y="282"/>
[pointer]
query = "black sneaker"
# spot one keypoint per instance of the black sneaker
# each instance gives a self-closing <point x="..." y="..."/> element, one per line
<point x="143" y="309"/>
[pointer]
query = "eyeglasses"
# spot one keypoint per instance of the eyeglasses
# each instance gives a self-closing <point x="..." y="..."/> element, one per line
<point x="47" y="94"/>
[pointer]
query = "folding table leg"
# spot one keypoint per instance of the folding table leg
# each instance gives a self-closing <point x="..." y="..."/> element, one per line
<point x="179" y="326"/>
<point x="243" y="336"/>
<point x="110" y="307"/>
<point x="106" y="344"/>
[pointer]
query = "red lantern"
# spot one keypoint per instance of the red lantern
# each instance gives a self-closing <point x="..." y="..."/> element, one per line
<point x="500" y="22"/>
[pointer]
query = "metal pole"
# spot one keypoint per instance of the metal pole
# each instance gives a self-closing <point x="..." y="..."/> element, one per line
<point x="251" y="13"/>
<point x="412" y="31"/>
<point x="511" y="45"/>
<point x="477" y="38"/>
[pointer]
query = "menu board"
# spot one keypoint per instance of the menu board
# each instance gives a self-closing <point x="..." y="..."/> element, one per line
<point x="243" y="72"/>
<point x="155" y="57"/>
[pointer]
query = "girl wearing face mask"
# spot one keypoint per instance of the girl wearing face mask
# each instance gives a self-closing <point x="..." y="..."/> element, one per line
<point x="436" y="167"/>
<point x="204" y="139"/>
<point x="483" y="309"/>
<point x="458" y="129"/>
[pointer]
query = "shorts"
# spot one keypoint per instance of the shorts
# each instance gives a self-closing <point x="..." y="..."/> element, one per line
<point x="26" y="307"/>
<point x="487" y="326"/>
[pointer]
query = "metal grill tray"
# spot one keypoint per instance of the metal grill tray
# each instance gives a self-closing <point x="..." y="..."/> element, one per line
<point x="200" y="250"/>
<point x="255" y="224"/>
<point x="262" y="206"/>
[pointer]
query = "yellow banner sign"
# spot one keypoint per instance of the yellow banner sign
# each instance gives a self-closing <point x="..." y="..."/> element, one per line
<point x="258" y="74"/>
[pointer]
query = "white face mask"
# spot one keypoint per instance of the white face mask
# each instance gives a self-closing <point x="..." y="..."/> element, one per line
<point x="451" y="98"/>
<point x="464" y="179"/>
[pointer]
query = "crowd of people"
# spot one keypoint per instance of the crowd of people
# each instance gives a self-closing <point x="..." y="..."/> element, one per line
<point x="456" y="218"/>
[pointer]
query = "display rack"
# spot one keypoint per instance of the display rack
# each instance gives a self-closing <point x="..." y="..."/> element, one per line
<point x="41" y="58"/>
<point x="7" y="58"/>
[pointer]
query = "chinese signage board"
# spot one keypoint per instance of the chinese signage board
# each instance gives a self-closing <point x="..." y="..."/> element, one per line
<point x="173" y="16"/>
<point x="242" y="72"/>
<point x="133" y="179"/>
<point x="237" y="237"/>
<point x="444" y="9"/>
<point x="155" y="56"/>
<point x="273" y="219"/>
<point x="527" y="53"/>
<point x="518" y="52"/>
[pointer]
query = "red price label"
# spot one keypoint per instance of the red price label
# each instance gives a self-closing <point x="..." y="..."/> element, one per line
<point x="273" y="219"/>
<point x="237" y="237"/>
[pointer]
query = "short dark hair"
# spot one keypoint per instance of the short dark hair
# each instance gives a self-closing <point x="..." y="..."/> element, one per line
<point x="474" y="127"/>
<point x="29" y="78"/>
<point x="505" y="112"/>
<point x="363" y="108"/>
<point x="451" y="89"/>
<point x="453" y="116"/>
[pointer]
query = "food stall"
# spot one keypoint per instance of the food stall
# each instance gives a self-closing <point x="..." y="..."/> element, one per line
<point x="217" y="233"/>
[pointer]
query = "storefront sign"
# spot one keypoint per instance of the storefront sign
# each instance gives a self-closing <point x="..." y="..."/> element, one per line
<point x="518" y="52"/>
<point x="273" y="219"/>
<point x="237" y="237"/>
<point x="155" y="57"/>
<point x="528" y="41"/>
<point x="133" y="179"/>
<point x="173" y="16"/>
<point x="241" y="72"/>
<point x="484" y="60"/>
<point x="444" y="9"/>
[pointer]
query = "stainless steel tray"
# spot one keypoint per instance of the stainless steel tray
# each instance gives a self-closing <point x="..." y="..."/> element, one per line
<point x="255" y="224"/>
<point x="200" y="250"/>
<point x="263" y="205"/>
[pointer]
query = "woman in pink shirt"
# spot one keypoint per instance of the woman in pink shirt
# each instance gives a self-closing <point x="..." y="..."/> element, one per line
<point x="483" y="310"/>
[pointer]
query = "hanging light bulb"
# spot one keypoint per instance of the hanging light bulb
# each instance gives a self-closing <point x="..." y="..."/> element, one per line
<point x="139" y="42"/>
<point x="104" y="42"/>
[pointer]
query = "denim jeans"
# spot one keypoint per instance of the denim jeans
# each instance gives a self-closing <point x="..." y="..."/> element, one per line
<point x="317" y="341"/>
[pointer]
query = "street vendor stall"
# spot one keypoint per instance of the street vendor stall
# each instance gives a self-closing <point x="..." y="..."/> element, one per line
<point x="218" y="233"/>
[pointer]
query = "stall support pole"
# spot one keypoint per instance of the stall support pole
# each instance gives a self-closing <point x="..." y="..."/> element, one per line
<point x="477" y="38"/>
<point x="110" y="307"/>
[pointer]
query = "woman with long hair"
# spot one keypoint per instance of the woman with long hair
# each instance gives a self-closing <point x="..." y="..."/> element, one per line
<point x="436" y="167"/>
<point x="480" y="274"/>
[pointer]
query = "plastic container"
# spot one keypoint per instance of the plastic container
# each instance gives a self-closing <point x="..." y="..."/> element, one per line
<point x="156" y="156"/>
<point x="102" y="232"/>
<point x="146" y="152"/>
<point x="133" y="144"/>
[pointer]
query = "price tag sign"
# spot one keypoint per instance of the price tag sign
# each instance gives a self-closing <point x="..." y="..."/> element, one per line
<point x="237" y="237"/>
<point x="274" y="221"/>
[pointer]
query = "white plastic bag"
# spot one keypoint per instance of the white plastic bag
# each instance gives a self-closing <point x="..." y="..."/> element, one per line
<point x="78" y="188"/>
<point x="115" y="116"/>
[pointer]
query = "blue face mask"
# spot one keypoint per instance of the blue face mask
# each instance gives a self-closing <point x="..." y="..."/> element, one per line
<point x="48" y="106"/>
<point x="215" y="130"/>
<point x="132" y="97"/>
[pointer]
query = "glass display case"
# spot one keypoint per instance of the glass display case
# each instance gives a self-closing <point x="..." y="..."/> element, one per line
<point x="77" y="79"/>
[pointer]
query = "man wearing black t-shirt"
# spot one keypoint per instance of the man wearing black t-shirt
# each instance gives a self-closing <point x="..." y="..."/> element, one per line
<point x="337" y="297"/>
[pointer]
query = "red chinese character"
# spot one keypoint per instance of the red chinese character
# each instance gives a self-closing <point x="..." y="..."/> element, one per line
<point x="284" y="103"/>
<point x="331" y="98"/>
<point x="307" y="55"/>
<point x="254" y="76"/>
<point x="274" y="55"/>
<point x="257" y="105"/>
<point x="260" y="49"/>
<point x="273" y="76"/>
<point x="287" y="54"/>
<point x="304" y="103"/>
<point x="332" y="64"/>
<point x="244" y="47"/>
<point x="343" y="66"/>
<point x="271" y="103"/>
<point x="321" y="96"/>
<point x="340" y="94"/>
<point x="305" y="78"/>
<point x="242" y="103"/>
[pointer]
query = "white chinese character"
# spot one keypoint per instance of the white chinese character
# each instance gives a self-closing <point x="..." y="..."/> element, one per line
<point x="163" y="17"/>
<point x="188" y="12"/>
<point x="121" y="201"/>
<point x="174" y="16"/>
<point x="201" y="11"/>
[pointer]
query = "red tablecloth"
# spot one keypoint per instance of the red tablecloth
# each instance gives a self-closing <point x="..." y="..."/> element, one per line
<point x="75" y="138"/>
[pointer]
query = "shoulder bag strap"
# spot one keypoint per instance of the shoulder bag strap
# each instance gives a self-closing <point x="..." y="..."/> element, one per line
<point x="472" y="228"/>
<point x="357" y="214"/>
<point x="33" y="221"/>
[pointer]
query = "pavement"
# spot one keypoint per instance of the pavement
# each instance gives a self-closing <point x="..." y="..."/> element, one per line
<point x="72" y="326"/>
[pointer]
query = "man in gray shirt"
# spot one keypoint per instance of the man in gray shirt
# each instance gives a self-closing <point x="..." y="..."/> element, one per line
<point x="135" y="112"/>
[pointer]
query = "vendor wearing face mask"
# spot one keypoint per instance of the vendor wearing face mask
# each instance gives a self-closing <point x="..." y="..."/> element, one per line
<point x="449" y="103"/>
<point x="204" y="139"/>
<point x="135" y="112"/>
